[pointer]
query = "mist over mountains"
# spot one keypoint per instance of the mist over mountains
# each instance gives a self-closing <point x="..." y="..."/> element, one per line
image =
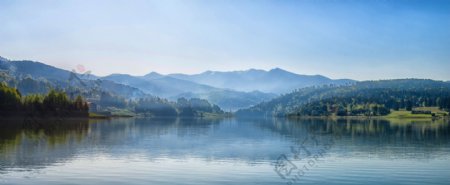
<point x="229" y="90"/>
<point x="273" y="81"/>
<point x="173" y="88"/>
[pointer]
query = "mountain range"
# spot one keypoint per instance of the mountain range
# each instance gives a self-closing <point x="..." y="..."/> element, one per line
<point x="275" y="81"/>
<point x="53" y="77"/>
<point x="229" y="90"/>
<point x="173" y="88"/>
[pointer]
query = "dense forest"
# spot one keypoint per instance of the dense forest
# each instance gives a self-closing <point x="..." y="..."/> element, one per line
<point x="369" y="98"/>
<point x="55" y="103"/>
<point x="58" y="103"/>
<point x="108" y="102"/>
<point x="193" y="107"/>
<point x="32" y="77"/>
<point x="153" y="106"/>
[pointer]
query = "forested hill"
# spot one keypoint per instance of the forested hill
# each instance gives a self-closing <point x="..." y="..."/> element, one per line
<point x="362" y="98"/>
<point x="55" y="103"/>
<point x="24" y="86"/>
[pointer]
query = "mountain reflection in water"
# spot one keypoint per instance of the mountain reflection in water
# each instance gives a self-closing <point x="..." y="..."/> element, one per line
<point x="375" y="147"/>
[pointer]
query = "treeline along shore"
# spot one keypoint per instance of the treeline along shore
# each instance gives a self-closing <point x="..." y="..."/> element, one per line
<point x="411" y="98"/>
<point x="56" y="103"/>
<point x="53" y="104"/>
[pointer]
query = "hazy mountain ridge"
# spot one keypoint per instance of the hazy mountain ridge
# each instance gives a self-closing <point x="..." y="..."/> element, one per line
<point x="127" y="86"/>
<point x="30" y="77"/>
<point x="60" y="78"/>
<point x="230" y="90"/>
<point x="34" y="69"/>
<point x="173" y="88"/>
<point x="273" y="81"/>
<point x="159" y="86"/>
<point x="230" y="100"/>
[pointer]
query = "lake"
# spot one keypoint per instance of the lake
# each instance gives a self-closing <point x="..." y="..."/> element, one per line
<point x="142" y="151"/>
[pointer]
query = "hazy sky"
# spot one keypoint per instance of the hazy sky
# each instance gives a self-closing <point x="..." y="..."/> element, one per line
<point x="358" y="39"/>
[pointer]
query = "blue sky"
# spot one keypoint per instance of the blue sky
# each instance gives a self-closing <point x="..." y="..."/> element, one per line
<point x="358" y="39"/>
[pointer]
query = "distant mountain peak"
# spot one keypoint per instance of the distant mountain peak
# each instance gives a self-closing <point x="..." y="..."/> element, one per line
<point x="153" y="75"/>
<point x="117" y="74"/>
<point x="281" y="72"/>
<point x="275" y="80"/>
<point x="3" y="59"/>
<point x="252" y="70"/>
<point x="209" y="72"/>
<point x="277" y="69"/>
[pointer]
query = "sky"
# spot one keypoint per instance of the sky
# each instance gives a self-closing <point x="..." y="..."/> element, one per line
<point x="357" y="39"/>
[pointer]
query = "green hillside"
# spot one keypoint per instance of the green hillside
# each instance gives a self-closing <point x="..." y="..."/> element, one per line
<point x="368" y="98"/>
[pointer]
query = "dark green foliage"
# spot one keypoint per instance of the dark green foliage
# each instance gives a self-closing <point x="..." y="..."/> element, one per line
<point x="33" y="103"/>
<point x="155" y="107"/>
<point x="195" y="107"/>
<point x="30" y="86"/>
<point x="183" y="107"/>
<point x="109" y="100"/>
<point x="55" y="103"/>
<point x="444" y="103"/>
<point x="369" y="98"/>
<point x="10" y="98"/>
<point x="342" y="107"/>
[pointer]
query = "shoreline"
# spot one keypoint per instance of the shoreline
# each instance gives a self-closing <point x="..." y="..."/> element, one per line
<point x="370" y="117"/>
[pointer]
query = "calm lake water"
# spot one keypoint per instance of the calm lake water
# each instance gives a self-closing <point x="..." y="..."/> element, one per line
<point x="230" y="151"/>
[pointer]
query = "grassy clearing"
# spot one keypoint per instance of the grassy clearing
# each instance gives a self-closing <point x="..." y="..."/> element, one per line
<point x="111" y="114"/>
<point x="213" y="115"/>
<point x="435" y="110"/>
<point x="403" y="114"/>
<point x="406" y="114"/>
<point x="97" y="116"/>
